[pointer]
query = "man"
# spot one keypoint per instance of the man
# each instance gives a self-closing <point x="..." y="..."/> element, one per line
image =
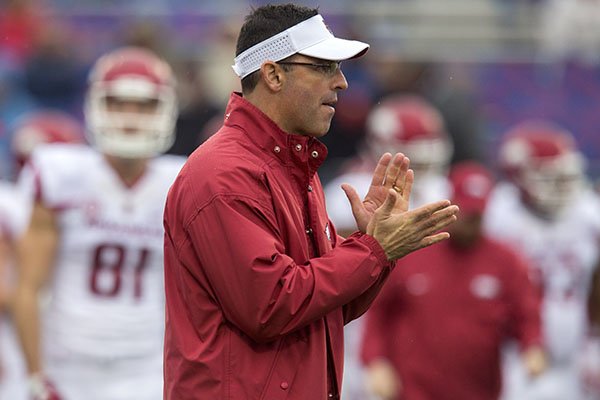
<point x="545" y="210"/>
<point x="406" y="123"/>
<point x="94" y="241"/>
<point x="258" y="284"/>
<point x="437" y="328"/>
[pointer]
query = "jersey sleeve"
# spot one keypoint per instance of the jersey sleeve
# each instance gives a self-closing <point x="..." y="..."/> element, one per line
<point x="54" y="176"/>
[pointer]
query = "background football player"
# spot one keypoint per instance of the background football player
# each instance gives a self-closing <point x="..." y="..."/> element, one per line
<point x="94" y="241"/>
<point x="29" y="131"/>
<point x="400" y="123"/>
<point x="546" y="210"/>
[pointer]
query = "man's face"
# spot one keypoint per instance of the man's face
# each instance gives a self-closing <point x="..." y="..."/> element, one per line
<point x="310" y="94"/>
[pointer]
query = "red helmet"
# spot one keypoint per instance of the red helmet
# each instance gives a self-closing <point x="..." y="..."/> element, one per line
<point x="542" y="159"/>
<point x="131" y="74"/>
<point x="46" y="126"/>
<point x="412" y="126"/>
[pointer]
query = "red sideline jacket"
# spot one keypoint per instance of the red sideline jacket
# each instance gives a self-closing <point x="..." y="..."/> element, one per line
<point x="258" y="285"/>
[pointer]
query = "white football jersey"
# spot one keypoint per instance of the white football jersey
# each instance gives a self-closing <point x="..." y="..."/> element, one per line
<point x="106" y="296"/>
<point x="563" y="252"/>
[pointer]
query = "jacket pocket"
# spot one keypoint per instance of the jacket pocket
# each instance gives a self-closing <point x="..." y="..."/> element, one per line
<point x="282" y="372"/>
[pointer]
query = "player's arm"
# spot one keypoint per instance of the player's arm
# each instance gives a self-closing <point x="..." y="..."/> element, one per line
<point x="35" y="256"/>
<point x="527" y="318"/>
<point x="381" y="378"/>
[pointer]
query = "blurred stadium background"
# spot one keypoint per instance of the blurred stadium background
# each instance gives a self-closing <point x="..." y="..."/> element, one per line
<point x="487" y="64"/>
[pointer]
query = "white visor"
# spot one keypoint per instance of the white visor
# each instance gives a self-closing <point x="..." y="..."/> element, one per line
<point x="310" y="38"/>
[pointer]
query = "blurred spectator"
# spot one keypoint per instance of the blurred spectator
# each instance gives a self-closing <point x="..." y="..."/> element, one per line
<point x="437" y="329"/>
<point x="20" y="23"/>
<point x="546" y="210"/>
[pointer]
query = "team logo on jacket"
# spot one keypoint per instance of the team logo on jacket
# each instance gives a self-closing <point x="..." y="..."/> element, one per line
<point x="327" y="232"/>
<point x="485" y="287"/>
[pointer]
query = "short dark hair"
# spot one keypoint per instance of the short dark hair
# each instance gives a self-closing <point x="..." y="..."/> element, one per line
<point x="265" y="22"/>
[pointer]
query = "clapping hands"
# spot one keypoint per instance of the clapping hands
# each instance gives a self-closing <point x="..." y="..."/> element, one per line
<point x="390" y="173"/>
<point x="384" y="213"/>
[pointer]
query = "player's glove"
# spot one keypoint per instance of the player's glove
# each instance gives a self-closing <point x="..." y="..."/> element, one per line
<point x="40" y="388"/>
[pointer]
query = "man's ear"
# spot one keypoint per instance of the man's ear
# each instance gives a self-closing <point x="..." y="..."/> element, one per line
<point x="272" y="74"/>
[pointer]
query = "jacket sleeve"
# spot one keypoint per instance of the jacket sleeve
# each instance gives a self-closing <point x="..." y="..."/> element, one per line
<point x="358" y="306"/>
<point x="260" y="288"/>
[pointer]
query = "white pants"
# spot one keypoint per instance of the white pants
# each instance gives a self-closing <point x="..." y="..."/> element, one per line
<point x="78" y="378"/>
<point x="558" y="382"/>
<point x="13" y="373"/>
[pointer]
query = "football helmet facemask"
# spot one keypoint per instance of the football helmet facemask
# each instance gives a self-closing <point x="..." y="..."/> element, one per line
<point x="412" y="126"/>
<point x="124" y="76"/>
<point x="542" y="160"/>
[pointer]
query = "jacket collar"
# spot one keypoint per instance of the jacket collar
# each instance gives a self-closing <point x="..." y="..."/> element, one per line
<point x="264" y="132"/>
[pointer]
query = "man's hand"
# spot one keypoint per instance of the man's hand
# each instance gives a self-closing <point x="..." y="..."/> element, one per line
<point x="382" y="381"/>
<point x="400" y="233"/>
<point x="390" y="173"/>
<point x="534" y="359"/>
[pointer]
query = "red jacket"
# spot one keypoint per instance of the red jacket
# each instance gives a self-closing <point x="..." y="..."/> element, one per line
<point x="258" y="285"/>
<point x="443" y="316"/>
